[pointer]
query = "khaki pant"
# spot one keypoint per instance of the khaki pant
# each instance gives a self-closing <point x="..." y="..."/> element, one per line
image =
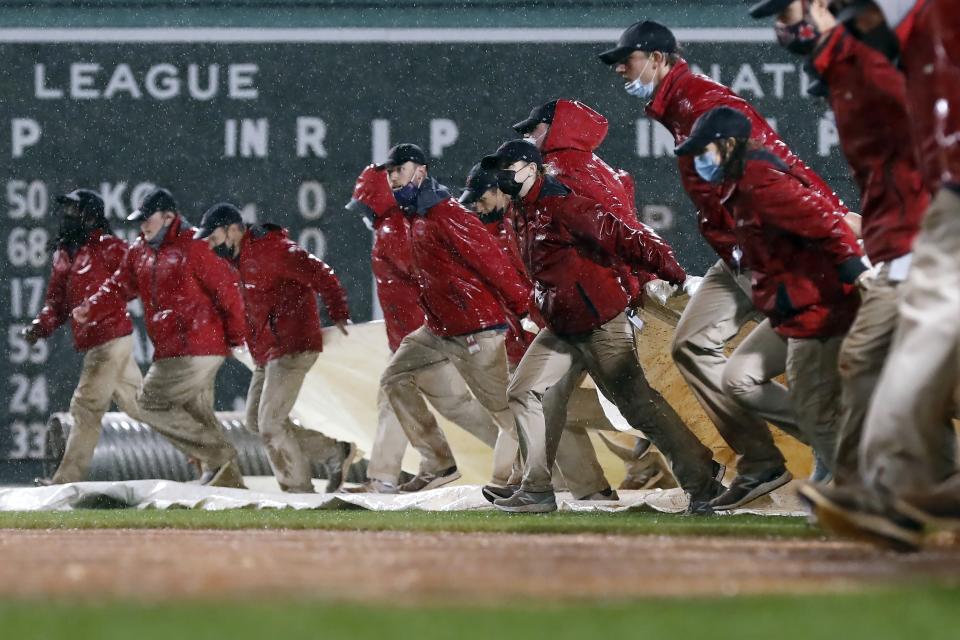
<point x="862" y="355"/>
<point x="609" y="355"/>
<point x="176" y="401"/>
<point x="908" y="439"/>
<point x="291" y="448"/>
<point x="485" y="373"/>
<point x="713" y="317"/>
<point x="109" y="373"/>
<point x="813" y="376"/>
<point x="443" y="387"/>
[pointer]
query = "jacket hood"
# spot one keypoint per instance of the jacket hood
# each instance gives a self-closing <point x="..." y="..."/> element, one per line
<point x="373" y="192"/>
<point x="575" y="126"/>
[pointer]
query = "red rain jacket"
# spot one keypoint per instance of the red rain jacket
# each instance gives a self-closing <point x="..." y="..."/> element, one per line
<point x="392" y="258"/>
<point x="797" y="244"/>
<point x="930" y="55"/>
<point x="681" y="98"/>
<point x="869" y="100"/>
<point x="466" y="281"/>
<point x="501" y="228"/>
<point x="576" y="132"/>
<point x="280" y="282"/>
<point x="572" y="248"/>
<point x="73" y="280"/>
<point x="191" y="298"/>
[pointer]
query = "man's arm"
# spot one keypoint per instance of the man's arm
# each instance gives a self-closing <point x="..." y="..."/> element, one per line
<point x="220" y="281"/>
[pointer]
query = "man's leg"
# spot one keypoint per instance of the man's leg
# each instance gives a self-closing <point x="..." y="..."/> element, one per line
<point x="102" y="368"/>
<point x="611" y="358"/>
<point x="748" y="379"/>
<point x="862" y="355"/>
<point x="815" y="389"/>
<point x="713" y="317"/>
<point x="389" y="444"/>
<point x="444" y="388"/>
<point x="128" y="387"/>
<point x="419" y="351"/>
<point x="174" y="395"/>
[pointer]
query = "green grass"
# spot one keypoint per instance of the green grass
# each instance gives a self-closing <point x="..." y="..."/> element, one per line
<point x="462" y="521"/>
<point x="927" y="614"/>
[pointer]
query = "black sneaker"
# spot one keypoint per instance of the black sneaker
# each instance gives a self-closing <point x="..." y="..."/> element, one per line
<point x="607" y="494"/>
<point x="493" y="493"/>
<point x="426" y="481"/>
<point x="700" y="504"/>
<point x="528" y="502"/>
<point x="745" y="489"/>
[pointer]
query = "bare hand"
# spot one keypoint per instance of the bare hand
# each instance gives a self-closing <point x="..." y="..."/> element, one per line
<point x="30" y="334"/>
<point x="81" y="313"/>
<point x="342" y="326"/>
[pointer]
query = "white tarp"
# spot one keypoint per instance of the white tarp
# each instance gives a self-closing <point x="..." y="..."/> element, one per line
<point x="165" y="494"/>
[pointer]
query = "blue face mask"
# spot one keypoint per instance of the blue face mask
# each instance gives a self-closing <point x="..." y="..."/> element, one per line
<point x="406" y="196"/>
<point x="638" y="89"/>
<point x="708" y="168"/>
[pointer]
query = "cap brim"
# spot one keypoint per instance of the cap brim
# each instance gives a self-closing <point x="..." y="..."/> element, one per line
<point x="136" y="216"/>
<point x="490" y="162"/>
<point x="691" y="146"/>
<point x="65" y="198"/>
<point x="767" y="8"/>
<point x="202" y="233"/>
<point x="525" y="126"/>
<point x="468" y="197"/>
<point x="615" y="55"/>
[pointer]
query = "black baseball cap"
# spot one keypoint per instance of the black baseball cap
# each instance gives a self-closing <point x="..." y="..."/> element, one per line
<point x="510" y="152"/>
<point x="645" y="35"/>
<point x="717" y="124"/>
<point x="157" y="200"/>
<point x="404" y="152"/>
<point x="846" y="10"/>
<point x="479" y="181"/>
<point x="543" y="113"/>
<point x="767" y="8"/>
<point x="219" y="215"/>
<point x="85" y="199"/>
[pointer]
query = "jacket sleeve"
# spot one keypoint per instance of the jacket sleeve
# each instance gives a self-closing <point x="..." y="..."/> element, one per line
<point x="54" y="312"/>
<point x="116" y="291"/>
<point x="783" y="201"/>
<point x="637" y="246"/>
<point x="299" y="265"/>
<point x="480" y="251"/>
<point x="220" y="281"/>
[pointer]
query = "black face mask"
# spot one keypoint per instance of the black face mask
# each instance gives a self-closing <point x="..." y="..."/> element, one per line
<point x="224" y="251"/>
<point x="72" y="233"/>
<point x="800" y="38"/>
<point x="507" y="183"/>
<point x="494" y="216"/>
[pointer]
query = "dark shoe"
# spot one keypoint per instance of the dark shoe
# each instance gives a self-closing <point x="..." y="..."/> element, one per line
<point x="821" y="474"/>
<point x="339" y="467"/>
<point x="226" y="475"/>
<point x="700" y="504"/>
<point x="493" y="493"/>
<point x="427" y="481"/>
<point x="850" y="511"/>
<point x="606" y="494"/>
<point x="374" y="486"/>
<point x="746" y="489"/>
<point x="524" y="501"/>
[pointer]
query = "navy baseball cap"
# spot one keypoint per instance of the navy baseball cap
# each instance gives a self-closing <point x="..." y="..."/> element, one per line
<point x="767" y="8"/>
<point x="717" y="124"/>
<point x="510" y="152"/>
<point x="543" y="113"/>
<point x="479" y="181"/>
<point x="85" y="199"/>
<point x="645" y="35"/>
<point x="222" y="214"/>
<point x="157" y="200"/>
<point x="404" y="152"/>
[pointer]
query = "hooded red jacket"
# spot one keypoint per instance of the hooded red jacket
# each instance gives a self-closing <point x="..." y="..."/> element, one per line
<point x="392" y="258"/>
<point x="574" y="135"/>
<point x="930" y="56"/>
<point x="801" y="251"/>
<point x="501" y="228"/>
<point x="681" y="98"/>
<point x="73" y="280"/>
<point x="869" y="100"/>
<point x="280" y="281"/>
<point x="191" y="298"/>
<point x="466" y="281"/>
<point x="569" y="243"/>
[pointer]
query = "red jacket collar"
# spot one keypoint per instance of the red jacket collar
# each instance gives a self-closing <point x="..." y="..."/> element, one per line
<point x="665" y="93"/>
<point x="534" y="192"/>
<point x="835" y="47"/>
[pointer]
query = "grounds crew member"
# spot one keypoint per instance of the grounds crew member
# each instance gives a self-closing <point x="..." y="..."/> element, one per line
<point x="194" y="315"/>
<point x="465" y="283"/>
<point x="805" y="261"/>
<point x="399" y="292"/>
<point x="907" y="457"/>
<point x="280" y="282"/>
<point x="576" y="458"/>
<point x="87" y="253"/>
<point x="568" y="243"/>
<point x="869" y="100"/>
<point x="647" y="58"/>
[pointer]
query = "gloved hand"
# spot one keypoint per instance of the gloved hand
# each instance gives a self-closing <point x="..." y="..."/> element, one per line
<point x="31" y="334"/>
<point x="866" y="280"/>
<point x="659" y="290"/>
<point x="691" y="284"/>
<point x="529" y="325"/>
